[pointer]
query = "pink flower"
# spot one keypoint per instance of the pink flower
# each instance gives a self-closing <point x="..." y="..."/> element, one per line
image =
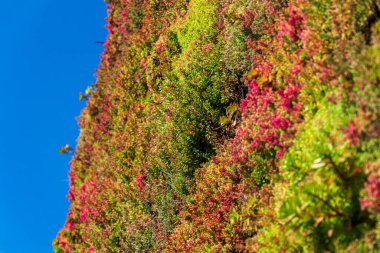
<point x="70" y="225"/>
<point x="140" y="182"/>
<point x="83" y="214"/>
<point x="352" y="134"/>
<point x="295" y="70"/>
<point x="293" y="27"/>
<point x="280" y="153"/>
<point x="372" y="200"/>
<point x="279" y="122"/>
<point x="62" y="243"/>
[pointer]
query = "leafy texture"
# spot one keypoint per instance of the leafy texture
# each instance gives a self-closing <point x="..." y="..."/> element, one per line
<point x="230" y="126"/>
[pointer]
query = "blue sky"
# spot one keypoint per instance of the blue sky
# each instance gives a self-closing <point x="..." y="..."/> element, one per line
<point x="48" y="55"/>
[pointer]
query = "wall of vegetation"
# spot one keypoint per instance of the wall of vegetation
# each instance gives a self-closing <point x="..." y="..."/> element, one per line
<point x="231" y="126"/>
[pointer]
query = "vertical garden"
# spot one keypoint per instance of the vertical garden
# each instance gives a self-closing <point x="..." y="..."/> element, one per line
<point x="230" y="126"/>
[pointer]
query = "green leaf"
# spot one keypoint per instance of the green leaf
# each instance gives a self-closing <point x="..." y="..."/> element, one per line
<point x="82" y="96"/>
<point x="223" y="120"/>
<point x="231" y="111"/>
<point x="233" y="217"/>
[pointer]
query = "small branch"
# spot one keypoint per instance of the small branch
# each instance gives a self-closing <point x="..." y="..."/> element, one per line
<point x="336" y="169"/>
<point x="337" y="211"/>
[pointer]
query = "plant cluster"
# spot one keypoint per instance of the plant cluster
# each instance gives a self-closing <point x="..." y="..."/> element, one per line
<point x="230" y="126"/>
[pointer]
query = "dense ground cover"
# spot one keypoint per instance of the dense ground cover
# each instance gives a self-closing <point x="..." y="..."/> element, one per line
<point x="231" y="126"/>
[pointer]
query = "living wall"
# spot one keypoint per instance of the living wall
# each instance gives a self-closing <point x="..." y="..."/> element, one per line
<point x="231" y="126"/>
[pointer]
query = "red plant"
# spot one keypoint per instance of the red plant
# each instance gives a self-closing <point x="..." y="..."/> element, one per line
<point x="371" y="199"/>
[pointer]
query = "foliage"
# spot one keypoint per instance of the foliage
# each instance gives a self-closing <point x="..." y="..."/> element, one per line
<point x="230" y="126"/>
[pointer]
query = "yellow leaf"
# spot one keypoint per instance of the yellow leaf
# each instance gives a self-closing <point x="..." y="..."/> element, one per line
<point x="223" y="120"/>
<point x="252" y="74"/>
<point x="317" y="221"/>
<point x="262" y="80"/>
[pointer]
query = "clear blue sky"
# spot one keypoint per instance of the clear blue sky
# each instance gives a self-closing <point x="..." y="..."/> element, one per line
<point x="48" y="55"/>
